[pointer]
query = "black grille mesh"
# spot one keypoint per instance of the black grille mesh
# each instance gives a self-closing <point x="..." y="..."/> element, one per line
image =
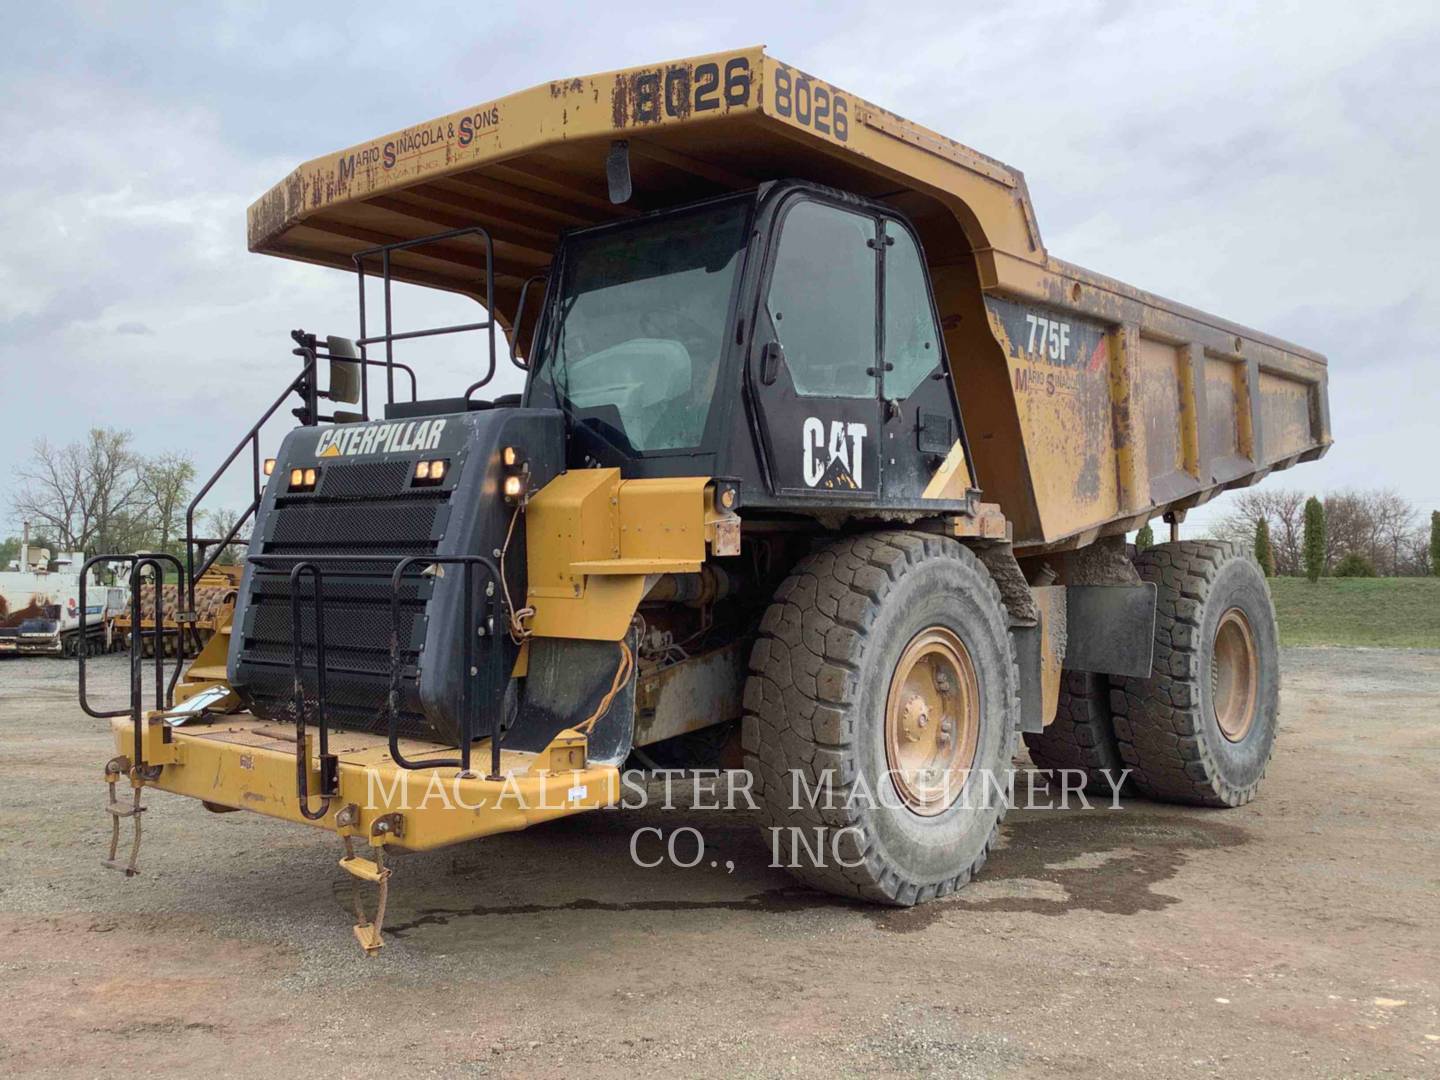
<point x="390" y="526"/>
<point x="365" y="481"/>
<point x="360" y="509"/>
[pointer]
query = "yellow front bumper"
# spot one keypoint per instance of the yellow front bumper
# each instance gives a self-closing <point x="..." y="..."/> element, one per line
<point x="238" y="761"/>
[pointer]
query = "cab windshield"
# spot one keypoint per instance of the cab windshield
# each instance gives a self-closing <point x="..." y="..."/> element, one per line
<point x="634" y="341"/>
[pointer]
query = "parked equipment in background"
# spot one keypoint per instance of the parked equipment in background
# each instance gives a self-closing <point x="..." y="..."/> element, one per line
<point x="40" y="606"/>
<point x="822" y="463"/>
<point x="215" y="592"/>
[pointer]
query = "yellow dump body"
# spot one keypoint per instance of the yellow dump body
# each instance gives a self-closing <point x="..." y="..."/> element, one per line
<point x="1090" y="406"/>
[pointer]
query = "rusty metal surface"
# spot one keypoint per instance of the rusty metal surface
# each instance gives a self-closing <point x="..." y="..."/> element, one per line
<point x="1143" y="407"/>
<point x="690" y="695"/>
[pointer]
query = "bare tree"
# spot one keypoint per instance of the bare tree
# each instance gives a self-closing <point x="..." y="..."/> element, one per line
<point x="1380" y="526"/>
<point x="1349" y="526"/>
<point x="1416" y="557"/>
<point x="219" y="523"/>
<point x="165" y="484"/>
<point x="1283" y="510"/>
<point x="87" y="495"/>
<point x="1394" y="523"/>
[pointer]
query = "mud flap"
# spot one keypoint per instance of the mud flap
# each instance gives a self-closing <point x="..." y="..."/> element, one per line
<point x="566" y="681"/>
<point x="1111" y="629"/>
<point x="1025" y="642"/>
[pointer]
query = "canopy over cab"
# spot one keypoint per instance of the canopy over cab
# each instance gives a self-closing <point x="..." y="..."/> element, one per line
<point x="1090" y="406"/>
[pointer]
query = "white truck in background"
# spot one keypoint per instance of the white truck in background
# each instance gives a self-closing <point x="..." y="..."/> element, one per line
<point x="40" y="606"/>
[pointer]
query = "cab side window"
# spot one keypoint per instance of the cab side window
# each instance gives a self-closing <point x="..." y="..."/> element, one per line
<point x="912" y="341"/>
<point x="822" y="300"/>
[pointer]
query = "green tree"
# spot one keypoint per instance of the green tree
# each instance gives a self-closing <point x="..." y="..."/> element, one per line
<point x="1435" y="543"/>
<point x="1314" y="538"/>
<point x="1264" y="554"/>
<point x="1354" y="565"/>
<point x="1145" y="538"/>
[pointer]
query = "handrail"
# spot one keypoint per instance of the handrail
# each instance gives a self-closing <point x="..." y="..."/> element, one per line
<point x="164" y="695"/>
<point x="515" y="358"/>
<point x="298" y="384"/>
<point x="300" y="564"/>
<point x="385" y="251"/>
<point x="304" y="383"/>
<point x="497" y="659"/>
<point x="329" y="763"/>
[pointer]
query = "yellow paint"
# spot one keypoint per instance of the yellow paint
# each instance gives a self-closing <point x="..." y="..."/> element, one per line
<point x="1099" y="448"/>
<point x="952" y="479"/>
<point x="1050" y="599"/>
<point x="592" y="540"/>
<point x="231" y="761"/>
<point x="209" y="666"/>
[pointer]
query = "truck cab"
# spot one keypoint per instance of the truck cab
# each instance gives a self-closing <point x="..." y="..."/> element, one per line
<point x="787" y="338"/>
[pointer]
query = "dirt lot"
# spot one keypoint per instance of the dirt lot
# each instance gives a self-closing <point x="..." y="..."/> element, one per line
<point x="1298" y="936"/>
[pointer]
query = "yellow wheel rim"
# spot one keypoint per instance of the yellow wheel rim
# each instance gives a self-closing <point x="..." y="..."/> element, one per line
<point x="1234" y="675"/>
<point x="932" y="721"/>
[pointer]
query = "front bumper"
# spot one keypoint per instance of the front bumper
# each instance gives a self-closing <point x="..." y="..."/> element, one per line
<point x="48" y="645"/>
<point x="240" y="762"/>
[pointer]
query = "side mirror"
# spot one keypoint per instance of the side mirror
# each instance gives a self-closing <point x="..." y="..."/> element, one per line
<point x="344" y="370"/>
<point x="771" y="357"/>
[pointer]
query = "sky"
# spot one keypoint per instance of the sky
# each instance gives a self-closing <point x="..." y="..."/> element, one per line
<point x="1274" y="163"/>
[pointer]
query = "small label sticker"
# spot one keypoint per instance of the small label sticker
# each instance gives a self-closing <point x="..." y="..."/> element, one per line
<point x="578" y="792"/>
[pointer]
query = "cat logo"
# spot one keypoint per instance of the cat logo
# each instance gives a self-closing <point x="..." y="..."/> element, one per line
<point x="836" y="464"/>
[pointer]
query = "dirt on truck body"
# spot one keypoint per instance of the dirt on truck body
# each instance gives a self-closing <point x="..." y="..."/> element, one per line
<point x="823" y="464"/>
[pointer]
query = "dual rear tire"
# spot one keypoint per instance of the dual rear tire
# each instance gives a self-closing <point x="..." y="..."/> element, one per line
<point x="1201" y="728"/>
<point x="1081" y="738"/>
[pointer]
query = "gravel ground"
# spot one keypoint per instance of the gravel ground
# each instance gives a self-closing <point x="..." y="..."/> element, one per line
<point x="1297" y="936"/>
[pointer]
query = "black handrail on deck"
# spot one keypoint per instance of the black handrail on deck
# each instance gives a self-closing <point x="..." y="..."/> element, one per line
<point x="329" y="763"/>
<point x="494" y="617"/>
<point x="306" y="385"/>
<point x="164" y="694"/>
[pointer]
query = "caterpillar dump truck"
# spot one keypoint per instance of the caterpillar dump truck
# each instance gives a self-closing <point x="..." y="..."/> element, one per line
<point x="822" y="461"/>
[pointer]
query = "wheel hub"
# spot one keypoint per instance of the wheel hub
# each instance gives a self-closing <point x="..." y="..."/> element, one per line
<point x="1234" y="675"/>
<point x="932" y="721"/>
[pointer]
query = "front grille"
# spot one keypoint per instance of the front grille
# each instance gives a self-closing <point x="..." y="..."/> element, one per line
<point x="359" y="510"/>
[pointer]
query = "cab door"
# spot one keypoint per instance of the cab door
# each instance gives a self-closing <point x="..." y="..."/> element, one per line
<point x="920" y="424"/>
<point x="814" y="362"/>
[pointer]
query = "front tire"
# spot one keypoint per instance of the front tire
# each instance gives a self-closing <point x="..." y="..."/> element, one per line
<point x="1202" y="728"/>
<point x="881" y="716"/>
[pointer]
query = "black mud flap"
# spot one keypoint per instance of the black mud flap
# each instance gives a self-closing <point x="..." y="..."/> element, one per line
<point x="566" y="682"/>
<point x="1110" y="629"/>
<point x="1025" y="641"/>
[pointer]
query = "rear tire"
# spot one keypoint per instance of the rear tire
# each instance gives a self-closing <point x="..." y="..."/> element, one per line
<point x="1202" y="728"/>
<point x="836" y="651"/>
<point x="1081" y="737"/>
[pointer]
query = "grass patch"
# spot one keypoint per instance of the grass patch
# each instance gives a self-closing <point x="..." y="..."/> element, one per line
<point x="1387" y="612"/>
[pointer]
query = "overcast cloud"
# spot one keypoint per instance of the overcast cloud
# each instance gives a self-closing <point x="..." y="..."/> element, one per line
<point x="1274" y="163"/>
